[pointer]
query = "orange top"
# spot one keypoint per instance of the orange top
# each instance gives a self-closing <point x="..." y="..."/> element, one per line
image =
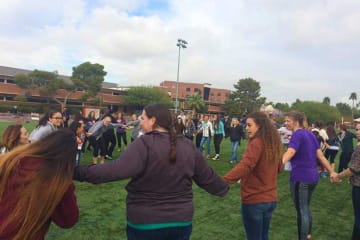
<point x="258" y="175"/>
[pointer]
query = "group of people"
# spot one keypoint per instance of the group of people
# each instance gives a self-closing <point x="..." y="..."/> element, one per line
<point x="162" y="165"/>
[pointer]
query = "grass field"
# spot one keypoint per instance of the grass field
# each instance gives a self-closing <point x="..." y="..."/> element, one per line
<point x="103" y="214"/>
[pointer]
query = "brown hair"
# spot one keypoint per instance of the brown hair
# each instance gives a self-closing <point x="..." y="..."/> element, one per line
<point x="41" y="191"/>
<point x="11" y="136"/>
<point x="298" y="117"/>
<point x="268" y="134"/>
<point x="164" y="120"/>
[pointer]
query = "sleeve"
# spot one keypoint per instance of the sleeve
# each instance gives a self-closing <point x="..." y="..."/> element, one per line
<point x="294" y="141"/>
<point x="66" y="213"/>
<point x="247" y="163"/>
<point x="207" y="179"/>
<point x="131" y="163"/>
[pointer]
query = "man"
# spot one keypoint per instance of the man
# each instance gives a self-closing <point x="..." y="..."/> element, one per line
<point x="66" y="116"/>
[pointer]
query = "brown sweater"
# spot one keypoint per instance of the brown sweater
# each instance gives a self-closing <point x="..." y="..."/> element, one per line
<point x="258" y="175"/>
<point x="159" y="191"/>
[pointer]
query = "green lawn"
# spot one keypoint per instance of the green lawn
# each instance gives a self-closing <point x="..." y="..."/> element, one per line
<point x="102" y="209"/>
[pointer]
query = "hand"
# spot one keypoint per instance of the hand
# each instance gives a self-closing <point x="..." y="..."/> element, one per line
<point x="334" y="178"/>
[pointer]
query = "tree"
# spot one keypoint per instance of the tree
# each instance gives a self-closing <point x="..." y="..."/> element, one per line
<point x="317" y="111"/>
<point x="345" y="110"/>
<point x="246" y="98"/>
<point x="139" y="97"/>
<point x="284" y="107"/>
<point x="353" y="98"/>
<point x="195" y="102"/>
<point x="326" y="100"/>
<point x="89" y="77"/>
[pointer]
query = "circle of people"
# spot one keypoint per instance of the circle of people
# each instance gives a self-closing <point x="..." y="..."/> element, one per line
<point x="164" y="164"/>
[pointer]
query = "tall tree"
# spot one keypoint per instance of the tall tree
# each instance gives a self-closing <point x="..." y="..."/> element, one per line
<point x="89" y="77"/>
<point x="139" y="97"/>
<point x="195" y="102"/>
<point x="326" y="100"/>
<point x="246" y="97"/>
<point x="345" y="110"/>
<point x="317" y="111"/>
<point x="353" y="98"/>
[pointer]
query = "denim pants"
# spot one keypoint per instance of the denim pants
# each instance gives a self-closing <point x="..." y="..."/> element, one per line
<point x="301" y="194"/>
<point x="256" y="219"/>
<point x="173" y="233"/>
<point x="356" y="206"/>
<point x="234" y="147"/>
<point x="203" y="141"/>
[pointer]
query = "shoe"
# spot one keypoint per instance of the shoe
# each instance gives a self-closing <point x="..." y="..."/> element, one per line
<point x="216" y="157"/>
<point x="108" y="157"/>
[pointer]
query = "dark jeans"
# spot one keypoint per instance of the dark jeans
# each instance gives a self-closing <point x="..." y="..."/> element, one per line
<point x="198" y="140"/>
<point x="217" y="140"/>
<point x="110" y="143"/>
<point x="301" y="194"/>
<point x="256" y="219"/>
<point x="173" y="233"/>
<point x="356" y="206"/>
<point x="344" y="160"/>
<point x="123" y="137"/>
<point x="330" y="154"/>
<point x="98" y="145"/>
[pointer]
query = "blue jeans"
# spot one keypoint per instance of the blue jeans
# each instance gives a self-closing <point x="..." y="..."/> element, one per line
<point x="301" y="194"/>
<point x="203" y="141"/>
<point x="78" y="158"/>
<point x="234" y="147"/>
<point x="256" y="218"/>
<point x="356" y="206"/>
<point x="173" y="233"/>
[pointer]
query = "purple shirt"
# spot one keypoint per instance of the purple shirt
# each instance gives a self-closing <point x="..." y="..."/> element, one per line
<point x="304" y="162"/>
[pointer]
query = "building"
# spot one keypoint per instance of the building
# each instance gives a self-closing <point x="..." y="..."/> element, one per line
<point x="214" y="98"/>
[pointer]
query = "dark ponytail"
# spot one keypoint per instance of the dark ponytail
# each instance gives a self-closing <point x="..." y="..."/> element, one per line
<point x="163" y="119"/>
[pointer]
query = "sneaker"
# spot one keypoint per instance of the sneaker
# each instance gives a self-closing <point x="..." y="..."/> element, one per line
<point x="108" y="157"/>
<point x="216" y="157"/>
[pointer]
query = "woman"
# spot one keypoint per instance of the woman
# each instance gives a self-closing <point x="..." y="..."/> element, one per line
<point x="347" y="147"/>
<point x="121" y="131"/>
<point x="162" y="167"/>
<point x="219" y="133"/>
<point x="36" y="187"/>
<point x="333" y="145"/>
<point x="236" y="132"/>
<point x="190" y="129"/>
<point x="303" y="151"/>
<point x="179" y="126"/>
<point x="199" y="131"/>
<point x="354" y="173"/>
<point x="259" y="167"/>
<point x="49" y="123"/>
<point x="13" y="136"/>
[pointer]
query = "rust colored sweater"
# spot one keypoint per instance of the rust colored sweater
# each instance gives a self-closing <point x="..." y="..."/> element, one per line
<point x="258" y="175"/>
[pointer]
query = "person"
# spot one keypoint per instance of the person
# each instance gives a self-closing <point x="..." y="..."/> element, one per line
<point x="333" y="145"/>
<point x="110" y="136"/>
<point x="66" y="117"/>
<point x="13" y="136"/>
<point x="162" y="167"/>
<point x="135" y="125"/>
<point x="89" y="122"/>
<point x="199" y="133"/>
<point x="121" y="131"/>
<point x="285" y="136"/>
<point x="207" y="131"/>
<point x="49" y="123"/>
<point x="354" y="173"/>
<point x="179" y="126"/>
<point x="304" y="152"/>
<point x="236" y="132"/>
<point x="78" y="129"/>
<point x="36" y="187"/>
<point x="219" y="134"/>
<point x="190" y="129"/>
<point x="259" y="166"/>
<point x="182" y="116"/>
<point x="347" y="147"/>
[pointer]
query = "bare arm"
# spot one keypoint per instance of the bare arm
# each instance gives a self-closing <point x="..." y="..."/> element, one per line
<point x="324" y="161"/>
<point x="290" y="152"/>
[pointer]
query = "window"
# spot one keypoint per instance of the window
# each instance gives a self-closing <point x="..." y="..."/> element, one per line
<point x="196" y="90"/>
<point x="116" y="93"/>
<point x="219" y="94"/>
<point x="188" y="89"/>
<point x="212" y="94"/>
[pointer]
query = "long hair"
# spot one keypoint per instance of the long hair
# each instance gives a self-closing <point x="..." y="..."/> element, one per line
<point x="11" y="136"/>
<point x="268" y="134"/>
<point x="40" y="192"/>
<point x="43" y="121"/>
<point x="298" y="117"/>
<point x="163" y="119"/>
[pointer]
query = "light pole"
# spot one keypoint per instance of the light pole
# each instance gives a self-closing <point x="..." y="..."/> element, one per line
<point x="181" y="44"/>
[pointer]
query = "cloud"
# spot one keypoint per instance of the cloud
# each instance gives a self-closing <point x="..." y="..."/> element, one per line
<point x="302" y="49"/>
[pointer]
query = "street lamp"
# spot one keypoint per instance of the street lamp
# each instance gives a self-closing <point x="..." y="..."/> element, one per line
<point x="181" y="44"/>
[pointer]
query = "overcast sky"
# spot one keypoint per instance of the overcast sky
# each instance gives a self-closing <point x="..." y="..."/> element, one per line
<point x="302" y="49"/>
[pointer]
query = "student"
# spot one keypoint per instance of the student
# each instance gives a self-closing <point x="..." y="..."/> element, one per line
<point x="259" y="166"/>
<point x="36" y="187"/>
<point x="162" y="167"/>
<point x="49" y="123"/>
<point x="13" y="136"/>
<point x="304" y="152"/>
<point x="236" y="132"/>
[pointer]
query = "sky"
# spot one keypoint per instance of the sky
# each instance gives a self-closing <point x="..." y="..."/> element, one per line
<point x="300" y="49"/>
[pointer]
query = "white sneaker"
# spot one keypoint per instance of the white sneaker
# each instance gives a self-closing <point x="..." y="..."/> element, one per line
<point x="216" y="157"/>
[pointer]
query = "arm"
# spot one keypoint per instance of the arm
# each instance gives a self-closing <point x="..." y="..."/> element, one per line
<point x="66" y="213"/>
<point x="248" y="162"/>
<point x="290" y="152"/>
<point x="324" y="161"/>
<point x="130" y="164"/>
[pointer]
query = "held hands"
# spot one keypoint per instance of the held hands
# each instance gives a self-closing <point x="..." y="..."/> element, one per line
<point x="334" y="178"/>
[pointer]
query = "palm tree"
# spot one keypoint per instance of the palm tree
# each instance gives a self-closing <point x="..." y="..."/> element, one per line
<point x="353" y="98"/>
<point x="326" y="100"/>
<point x="195" y="102"/>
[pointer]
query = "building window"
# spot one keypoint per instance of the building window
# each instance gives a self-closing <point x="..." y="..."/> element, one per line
<point x="212" y="94"/>
<point x="219" y="94"/>
<point x="196" y="90"/>
<point x="188" y="89"/>
<point x="116" y="93"/>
